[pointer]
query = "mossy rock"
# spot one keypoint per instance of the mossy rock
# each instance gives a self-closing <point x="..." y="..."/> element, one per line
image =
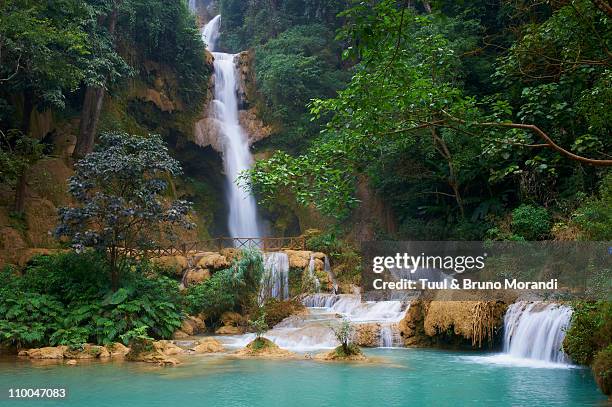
<point x="351" y="353"/>
<point x="263" y="347"/>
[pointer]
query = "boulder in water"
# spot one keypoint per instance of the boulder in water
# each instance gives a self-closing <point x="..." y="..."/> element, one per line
<point x="87" y="351"/>
<point x="117" y="350"/>
<point x="191" y="326"/>
<point x="351" y="353"/>
<point x="208" y="345"/>
<point x="49" y="352"/>
<point x="143" y="350"/>
<point x="167" y="348"/>
<point x="264" y="348"/>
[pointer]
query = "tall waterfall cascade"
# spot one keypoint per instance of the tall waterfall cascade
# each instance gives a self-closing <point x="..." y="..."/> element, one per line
<point x="243" y="220"/>
<point x="536" y="331"/>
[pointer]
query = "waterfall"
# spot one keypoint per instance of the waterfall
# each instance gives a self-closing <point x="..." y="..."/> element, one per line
<point x="210" y="34"/>
<point x="243" y="220"/>
<point x="536" y="331"/>
<point x="311" y="274"/>
<point x="275" y="281"/>
<point x="192" y="5"/>
<point x="389" y="336"/>
<point x="331" y="275"/>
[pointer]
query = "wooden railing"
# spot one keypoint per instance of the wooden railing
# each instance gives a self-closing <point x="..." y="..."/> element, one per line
<point x="267" y="244"/>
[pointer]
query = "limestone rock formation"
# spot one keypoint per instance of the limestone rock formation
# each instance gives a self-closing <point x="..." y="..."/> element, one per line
<point x="208" y="345"/>
<point x="264" y="348"/>
<point x="367" y="335"/>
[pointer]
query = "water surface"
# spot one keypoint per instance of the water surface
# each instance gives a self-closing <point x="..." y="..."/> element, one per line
<point x="419" y="377"/>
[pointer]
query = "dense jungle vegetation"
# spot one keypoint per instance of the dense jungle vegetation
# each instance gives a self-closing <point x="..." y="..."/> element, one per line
<point x="468" y="120"/>
<point x="471" y="120"/>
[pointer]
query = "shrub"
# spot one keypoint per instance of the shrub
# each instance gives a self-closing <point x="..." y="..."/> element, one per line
<point x="594" y="217"/>
<point x="234" y="288"/>
<point x="259" y="326"/>
<point x="602" y="370"/>
<point x="275" y="310"/>
<point x="531" y="222"/>
<point x="78" y="306"/>
<point x="589" y="332"/>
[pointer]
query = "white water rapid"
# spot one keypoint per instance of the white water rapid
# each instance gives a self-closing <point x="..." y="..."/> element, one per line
<point x="312" y="332"/>
<point x="536" y="331"/>
<point x="243" y="220"/>
<point x="533" y="336"/>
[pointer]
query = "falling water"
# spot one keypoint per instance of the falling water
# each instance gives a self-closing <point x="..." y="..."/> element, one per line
<point x="311" y="274"/>
<point x="536" y="331"/>
<point x="389" y="336"/>
<point x="192" y="5"/>
<point x="312" y="331"/>
<point x="331" y="275"/>
<point x="243" y="220"/>
<point x="275" y="281"/>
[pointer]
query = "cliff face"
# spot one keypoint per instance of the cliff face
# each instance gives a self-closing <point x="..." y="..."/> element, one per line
<point x="149" y="103"/>
<point x="471" y="324"/>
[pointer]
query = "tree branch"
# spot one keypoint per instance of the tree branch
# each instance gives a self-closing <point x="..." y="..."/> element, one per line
<point x="540" y="133"/>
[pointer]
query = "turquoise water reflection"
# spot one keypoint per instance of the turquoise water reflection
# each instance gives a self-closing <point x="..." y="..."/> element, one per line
<point x="401" y="377"/>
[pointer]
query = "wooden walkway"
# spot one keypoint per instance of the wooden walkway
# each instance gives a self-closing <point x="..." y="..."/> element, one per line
<point x="267" y="244"/>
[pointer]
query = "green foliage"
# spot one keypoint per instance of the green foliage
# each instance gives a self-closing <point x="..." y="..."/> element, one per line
<point x="531" y="222"/>
<point x="302" y="63"/>
<point x="44" y="48"/>
<point x="166" y="32"/>
<point x="259" y="326"/>
<point x="275" y="310"/>
<point x="595" y="215"/>
<point x="421" y="119"/>
<point x="602" y="370"/>
<point x="66" y="299"/>
<point x="17" y="153"/>
<point x="234" y="288"/>
<point x="344" y="334"/>
<point x="119" y="191"/>
<point x="590" y="331"/>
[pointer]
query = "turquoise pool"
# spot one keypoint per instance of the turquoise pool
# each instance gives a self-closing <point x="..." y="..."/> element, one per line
<point x="400" y="377"/>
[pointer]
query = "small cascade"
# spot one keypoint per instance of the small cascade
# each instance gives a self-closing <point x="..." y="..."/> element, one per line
<point x="312" y="331"/>
<point x="331" y="275"/>
<point x="389" y="336"/>
<point x="192" y="5"/>
<point x="311" y="274"/>
<point x="536" y="331"/>
<point x="275" y="281"/>
<point x="320" y="300"/>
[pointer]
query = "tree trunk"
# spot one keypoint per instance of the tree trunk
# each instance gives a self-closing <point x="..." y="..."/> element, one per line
<point x="114" y="270"/>
<point x="20" y="193"/>
<point x="92" y="106"/>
